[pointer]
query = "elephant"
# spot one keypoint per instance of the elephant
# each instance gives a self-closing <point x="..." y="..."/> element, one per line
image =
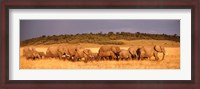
<point x="95" y="57"/>
<point x="107" y="49"/>
<point x="132" y="51"/>
<point x="84" y="54"/>
<point x="148" y="52"/>
<point x="42" y="54"/>
<point x="125" y="54"/>
<point x="89" y="53"/>
<point x="57" y="52"/>
<point x="30" y="53"/>
<point x="107" y="55"/>
<point x="63" y="52"/>
<point x="72" y="50"/>
<point x="52" y="52"/>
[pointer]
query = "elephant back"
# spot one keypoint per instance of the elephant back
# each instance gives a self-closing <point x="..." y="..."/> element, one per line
<point x="159" y="48"/>
<point x="115" y="49"/>
<point x="104" y="48"/>
<point x="124" y="53"/>
<point x="52" y="51"/>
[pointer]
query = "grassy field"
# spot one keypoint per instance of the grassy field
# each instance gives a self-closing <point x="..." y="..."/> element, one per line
<point x="171" y="61"/>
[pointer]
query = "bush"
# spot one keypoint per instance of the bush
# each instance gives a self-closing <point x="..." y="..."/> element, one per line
<point x="97" y="38"/>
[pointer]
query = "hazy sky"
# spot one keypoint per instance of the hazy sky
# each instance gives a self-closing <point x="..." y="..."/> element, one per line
<point x="35" y="28"/>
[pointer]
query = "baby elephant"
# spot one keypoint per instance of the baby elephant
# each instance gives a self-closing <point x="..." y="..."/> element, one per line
<point x="124" y="54"/>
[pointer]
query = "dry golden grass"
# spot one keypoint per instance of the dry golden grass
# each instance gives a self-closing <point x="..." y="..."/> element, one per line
<point x="171" y="61"/>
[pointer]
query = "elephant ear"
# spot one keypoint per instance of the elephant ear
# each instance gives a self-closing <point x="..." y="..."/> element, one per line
<point x="118" y="49"/>
<point x="113" y="49"/>
<point x="158" y="48"/>
<point x="87" y="52"/>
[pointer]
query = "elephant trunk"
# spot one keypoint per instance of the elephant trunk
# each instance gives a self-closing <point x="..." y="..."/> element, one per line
<point x="163" y="55"/>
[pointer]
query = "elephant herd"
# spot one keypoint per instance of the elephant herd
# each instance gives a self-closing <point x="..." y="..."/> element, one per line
<point x="79" y="53"/>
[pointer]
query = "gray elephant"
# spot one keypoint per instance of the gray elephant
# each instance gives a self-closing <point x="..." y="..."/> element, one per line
<point x="56" y="52"/>
<point x="63" y="52"/>
<point x="30" y="53"/>
<point x="52" y="52"/>
<point x="95" y="57"/>
<point x="125" y="54"/>
<point x="106" y="55"/>
<point x="148" y="52"/>
<point x="72" y="50"/>
<point x="132" y="51"/>
<point x="108" y="49"/>
<point x="42" y="54"/>
<point x="84" y="54"/>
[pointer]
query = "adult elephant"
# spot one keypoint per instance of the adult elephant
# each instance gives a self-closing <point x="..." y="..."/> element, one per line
<point x="42" y="54"/>
<point x="62" y="52"/>
<point x="52" y="52"/>
<point x="30" y="53"/>
<point x="148" y="52"/>
<point x="72" y="50"/>
<point x="125" y="54"/>
<point x="132" y="51"/>
<point x="109" y="51"/>
<point x="84" y="54"/>
<point x="106" y="55"/>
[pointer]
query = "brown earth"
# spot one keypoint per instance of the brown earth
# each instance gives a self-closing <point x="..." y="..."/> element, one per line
<point x="171" y="61"/>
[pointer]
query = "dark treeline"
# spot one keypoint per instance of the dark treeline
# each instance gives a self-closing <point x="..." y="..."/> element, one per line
<point x="98" y="38"/>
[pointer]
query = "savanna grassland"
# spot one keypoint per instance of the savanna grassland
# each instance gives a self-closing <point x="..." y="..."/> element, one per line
<point x="95" y="41"/>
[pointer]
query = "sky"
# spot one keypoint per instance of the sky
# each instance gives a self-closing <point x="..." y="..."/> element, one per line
<point x="36" y="28"/>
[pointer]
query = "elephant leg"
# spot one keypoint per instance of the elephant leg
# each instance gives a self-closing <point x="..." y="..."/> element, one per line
<point x="156" y="55"/>
<point x="60" y="56"/>
<point x="102" y="58"/>
<point x="148" y="58"/>
<point x="129" y="57"/>
<point x="86" y="60"/>
<point x="27" y="58"/>
<point x="139" y="57"/>
<point x="33" y="58"/>
<point x="163" y="55"/>
<point x="132" y="57"/>
<point x="136" y="56"/>
<point x="97" y="59"/>
<point x="73" y="58"/>
<point x="109" y="58"/>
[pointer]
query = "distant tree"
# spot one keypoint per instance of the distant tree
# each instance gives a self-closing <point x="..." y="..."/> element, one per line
<point x="91" y="33"/>
<point x="175" y="35"/>
<point x="117" y="33"/>
<point x="100" y="33"/>
<point x="110" y="33"/>
<point x="137" y="32"/>
<point x="98" y="38"/>
<point x="43" y="36"/>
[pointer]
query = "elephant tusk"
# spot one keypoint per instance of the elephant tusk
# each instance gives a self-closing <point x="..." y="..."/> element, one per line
<point x="63" y="56"/>
<point x="67" y="55"/>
